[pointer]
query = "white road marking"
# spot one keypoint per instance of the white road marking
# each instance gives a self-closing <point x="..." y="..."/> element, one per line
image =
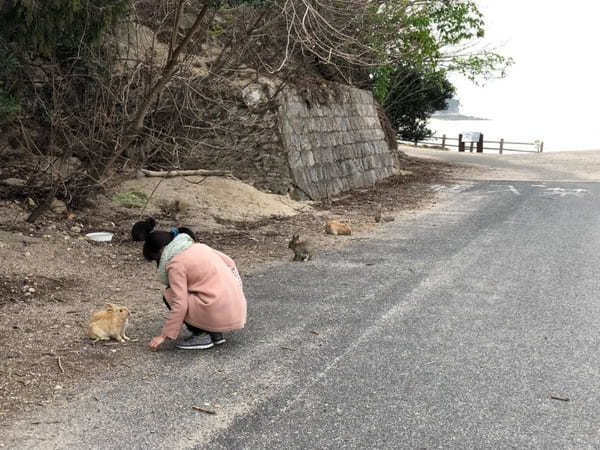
<point x="562" y="192"/>
<point x="456" y="188"/>
<point x="513" y="189"/>
<point x="503" y="188"/>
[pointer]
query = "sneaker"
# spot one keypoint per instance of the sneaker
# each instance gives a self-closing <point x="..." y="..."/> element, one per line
<point x="196" y="342"/>
<point x="217" y="338"/>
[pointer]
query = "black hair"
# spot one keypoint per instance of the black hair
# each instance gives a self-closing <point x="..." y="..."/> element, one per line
<point x="187" y="231"/>
<point x="157" y="240"/>
<point x="142" y="229"/>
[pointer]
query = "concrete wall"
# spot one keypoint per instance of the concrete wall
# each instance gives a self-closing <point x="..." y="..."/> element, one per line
<point x="335" y="143"/>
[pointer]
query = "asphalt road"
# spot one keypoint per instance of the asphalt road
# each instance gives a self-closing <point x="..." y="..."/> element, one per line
<point x="473" y="324"/>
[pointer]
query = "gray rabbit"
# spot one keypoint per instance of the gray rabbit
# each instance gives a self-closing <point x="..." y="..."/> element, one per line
<point x="302" y="249"/>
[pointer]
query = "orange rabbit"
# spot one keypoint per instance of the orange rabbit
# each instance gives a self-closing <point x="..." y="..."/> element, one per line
<point x="109" y="323"/>
<point x="336" y="227"/>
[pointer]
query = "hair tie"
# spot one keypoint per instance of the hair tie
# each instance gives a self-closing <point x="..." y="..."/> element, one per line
<point x="174" y="232"/>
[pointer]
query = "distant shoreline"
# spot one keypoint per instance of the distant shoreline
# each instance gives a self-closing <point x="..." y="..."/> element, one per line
<point x="452" y="116"/>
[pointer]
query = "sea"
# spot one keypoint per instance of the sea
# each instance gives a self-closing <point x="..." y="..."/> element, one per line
<point x="566" y="133"/>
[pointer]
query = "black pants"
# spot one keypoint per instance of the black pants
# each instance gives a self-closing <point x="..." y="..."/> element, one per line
<point x="192" y="328"/>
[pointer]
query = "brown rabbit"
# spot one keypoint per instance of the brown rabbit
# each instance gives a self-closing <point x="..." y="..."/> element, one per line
<point x="302" y="249"/>
<point x="336" y="228"/>
<point x="109" y="323"/>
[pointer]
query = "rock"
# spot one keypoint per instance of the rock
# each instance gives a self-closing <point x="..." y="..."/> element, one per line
<point x="58" y="206"/>
<point x="254" y="96"/>
<point x="76" y="229"/>
<point x="187" y="20"/>
<point x="14" y="182"/>
<point x="136" y="43"/>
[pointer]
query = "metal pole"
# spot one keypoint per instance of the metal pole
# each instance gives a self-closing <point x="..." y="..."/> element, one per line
<point x="471" y="147"/>
<point x="444" y="142"/>
<point x="542" y="147"/>
<point x="480" y="144"/>
<point x="501" y="145"/>
<point x="461" y="144"/>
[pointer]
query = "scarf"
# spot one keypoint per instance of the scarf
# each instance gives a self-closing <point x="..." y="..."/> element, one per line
<point x="178" y="245"/>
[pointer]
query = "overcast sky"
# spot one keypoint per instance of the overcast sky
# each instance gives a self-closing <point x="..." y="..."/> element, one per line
<point x="557" y="59"/>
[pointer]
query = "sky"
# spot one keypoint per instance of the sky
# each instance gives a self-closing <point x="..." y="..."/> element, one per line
<point x="553" y="84"/>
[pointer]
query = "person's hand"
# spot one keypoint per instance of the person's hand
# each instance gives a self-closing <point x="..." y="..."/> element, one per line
<point x="155" y="342"/>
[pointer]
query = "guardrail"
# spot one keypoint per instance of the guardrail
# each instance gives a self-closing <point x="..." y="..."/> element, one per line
<point x="479" y="145"/>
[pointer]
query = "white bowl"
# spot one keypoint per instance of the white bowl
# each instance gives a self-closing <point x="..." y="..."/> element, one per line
<point x="101" y="236"/>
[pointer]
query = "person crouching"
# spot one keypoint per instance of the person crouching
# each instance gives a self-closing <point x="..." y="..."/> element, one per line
<point x="204" y="289"/>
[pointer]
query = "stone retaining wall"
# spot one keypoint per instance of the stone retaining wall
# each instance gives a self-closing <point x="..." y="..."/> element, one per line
<point x="317" y="143"/>
<point x="333" y="144"/>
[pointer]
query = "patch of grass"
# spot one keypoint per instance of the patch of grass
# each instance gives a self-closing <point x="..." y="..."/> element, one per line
<point x="131" y="199"/>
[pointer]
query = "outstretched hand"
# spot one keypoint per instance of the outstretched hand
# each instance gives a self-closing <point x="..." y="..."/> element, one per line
<point x="155" y="342"/>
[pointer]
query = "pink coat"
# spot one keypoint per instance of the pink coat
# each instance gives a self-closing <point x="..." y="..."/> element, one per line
<point x="204" y="291"/>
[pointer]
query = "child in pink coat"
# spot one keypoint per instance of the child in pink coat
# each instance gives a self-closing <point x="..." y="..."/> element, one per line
<point x="204" y="290"/>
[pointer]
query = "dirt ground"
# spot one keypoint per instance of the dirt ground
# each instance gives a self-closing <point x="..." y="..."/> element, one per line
<point x="53" y="278"/>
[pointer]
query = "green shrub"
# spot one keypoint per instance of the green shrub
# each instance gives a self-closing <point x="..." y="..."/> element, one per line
<point x="413" y="96"/>
<point x="131" y="199"/>
<point x="61" y="28"/>
<point x="10" y="104"/>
